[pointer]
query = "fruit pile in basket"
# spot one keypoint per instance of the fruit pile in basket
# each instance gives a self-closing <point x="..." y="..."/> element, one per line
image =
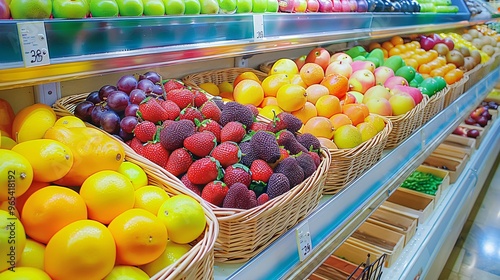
<point x="72" y="208"/>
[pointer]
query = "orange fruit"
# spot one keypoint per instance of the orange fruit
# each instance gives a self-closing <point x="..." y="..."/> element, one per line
<point x="269" y="100"/>
<point x="139" y="235"/>
<point x="327" y="143"/>
<point x="227" y="95"/>
<point x="397" y="40"/>
<point x="248" y="92"/>
<point x="319" y="127"/>
<point x="107" y="194"/>
<point x="81" y="250"/>
<point x="339" y="120"/>
<point x="11" y="233"/>
<point x="354" y="112"/>
<point x="314" y="92"/>
<point x="453" y="76"/>
<point x="124" y="272"/>
<point x="150" y="198"/>
<point x="347" y="136"/>
<point x="33" y="254"/>
<point x="373" y="45"/>
<point x="424" y="68"/>
<point x="311" y="73"/>
<point x="24" y="273"/>
<point x="297" y="80"/>
<point x="172" y="253"/>
<point x="21" y="200"/>
<point x="336" y="84"/>
<point x="411" y="62"/>
<point x="308" y="111"/>
<point x="32" y="122"/>
<point x="285" y="66"/>
<point x="328" y="106"/>
<point x="247" y="75"/>
<point x="70" y="121"/>
<point x="291" y="97"/>
<point x="50" y="209"/>
<point x="272" y="83"/>
<point x="387" y="45"/>
<point x="394" y="51"/>
<point x="16" y="175"/>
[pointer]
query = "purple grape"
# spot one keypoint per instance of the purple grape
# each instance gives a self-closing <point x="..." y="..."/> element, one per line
<point x="94" y="97"/>
<point x="118" y="101"/>
<point x="118" y="137"/>
<point x="126" y="83"/>
<point x="158" y="89"/>
<point x="136" y="96"/>
<point x="131" y="110"/>
<point x="104" y="91"/>
<point x="97" y="113"/>
<point x="128" y="124"/>
<point x="146" y="85"/>
<point x="84" y="110"/>
<point x="110" y="122"/>
<point x="124" y="136"/>
<point x="152" y="76"/>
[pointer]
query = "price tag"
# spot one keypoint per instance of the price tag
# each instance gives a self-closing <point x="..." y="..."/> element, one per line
<point x="258" y="27"/>
<point x="304" y="243"/>
<point x="33" y="43"/>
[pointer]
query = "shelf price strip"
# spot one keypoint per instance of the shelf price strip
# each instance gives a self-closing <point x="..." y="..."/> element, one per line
<point x="258" y="27"/>
<point x="304" y="242"/>
<point x="33" y="40"/>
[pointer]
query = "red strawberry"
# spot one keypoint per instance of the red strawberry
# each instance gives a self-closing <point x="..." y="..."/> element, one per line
<point x="211" y="111"/>
<point x="263" y="198"/>
<point x="173" y="84"/>
<point x="204" y="170"/>
<point x="191" y="113"/>
<point x="136" y="145"/>
<point x="261" y="171"/>
<point x="179" y="162"/>
<point x="194" y="188"/>
<point x="201" y="143"/>
<point x="145" y="131"/>
<point x="227" y="153"/>
<point x="155" y="153"/>
<point x="256" y="126"/>
<point x="254" y="109"/>
<point x="182" y="97"/>
<point x="316" y="158"/>
<point x="212" y="126"/>
<point x="167" y="123"/>
<point x="232" y="131"/>
<point x="237" y="173"/>
<point x="151" y="110"/>
<point x="172" y="109"/>
<point x="215" y="192"/>
<point x="199" y="98"/>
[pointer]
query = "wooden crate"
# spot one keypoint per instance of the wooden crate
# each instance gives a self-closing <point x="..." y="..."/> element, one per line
<point x="355" y="253"/>
<point x="456" y="146"/>
<point x="437" y="172"/>
<point x="334" y="268"/>
<point x="482" y="131"/>
<point x="453" y="165"/>
<point x="413" y="203"/>
<point x="395" y="220"/>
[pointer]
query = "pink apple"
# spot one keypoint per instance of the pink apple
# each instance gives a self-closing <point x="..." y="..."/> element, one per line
<point x="358" y="95"/>
<point x="337" y="6"/>
<point x="312" y="6"/>
<point x="339" y="67"/>
<point x="361" y="80"/>
<point x="415" y="93"/>
<point x="401" y="103"/>
<point x="394" y="81"/>
<point x="4" y="10"/>
<point x="377" y="91"/>
<point x="348" y="99"/>
<point x="346" y="7"/>
<point x="379" y="106"/>
<point x="340" y="56"/>
<point x="325" y="6"/>
<point x="362" y="64"/>
<point x="382" y="73"/>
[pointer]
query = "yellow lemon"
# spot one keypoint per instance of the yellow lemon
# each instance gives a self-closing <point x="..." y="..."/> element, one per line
<point x="272" y="83"/>
<point x="291" y="97"/>
<point x="150" y="198"/>
<point x="6" y="142"/>
<point x="285" y="66"/>
<point x="270" y="111"/>
<point x="25" y="273"/>
<point x="32" y="122"/>
<point x="135" y="174"/>
<point x="12" y="241"/>
<point x="16" y="175"/>
<point x="376" y="121"/>
<point x="172" y="253"/>
<point x="184" y="218"/>
<point x="347" y="136"/>
<point x="248" y="92"/>
<point x="367" y="131"/>
<point x="211" y="88"/>
<point x="70" y="121"/>
<point x="33" y="255"/>
<point x="51" y="160"/>
<point x="11" y="207"/>
<point x="225" y="87"/>
<point x="126" y="272"/>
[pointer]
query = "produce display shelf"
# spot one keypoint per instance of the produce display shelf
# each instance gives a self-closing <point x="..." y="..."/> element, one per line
<point x="86" y="47"/>
<point x="338" y="216"/>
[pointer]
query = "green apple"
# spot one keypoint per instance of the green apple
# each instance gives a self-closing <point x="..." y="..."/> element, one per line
<point x="193" y="7"/>
<point x="104" y="8"/>
<point x="227" y="6"/>
<point x="244" y="6"/>
<point x="175" y="7"/>
<point x="30" y="9"/>
<point x="272" y="6"/>
<point x="153" y="7"/>
<point x="70" y="8"/>
<point x="259" y="6"/>
<point x="130" y="8"/>
<point x="209" y="6"/>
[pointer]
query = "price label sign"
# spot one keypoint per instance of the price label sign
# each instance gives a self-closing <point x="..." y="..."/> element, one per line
<point x="258" y="27"/>
<point x="33" y="43"/>
<point x="304" y="243"/>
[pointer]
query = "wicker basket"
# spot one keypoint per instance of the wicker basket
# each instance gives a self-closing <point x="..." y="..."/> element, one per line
<point x="404" y="125"/>
<point x="435" y="105"/>
<point x="198" y="263"/>
<point x="475" y="75"/>
<point x="495" y="62"/>
<point x="218" y="76"/>
<point x="348" y="164"/>
<point x="455" y="91"/>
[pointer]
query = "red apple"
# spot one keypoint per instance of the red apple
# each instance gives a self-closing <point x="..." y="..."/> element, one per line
<point x="4" y="10"/>
<point x="300" y="61"/>
<point x="394" y="81"/>
<point x="340" y="56"/>
<point x="325" y="6"/>
<point x="339" y="67"/>
<point x="361" y="80"/>
<point x="362" y="64"/>
<point x="380" y="106"/>
<point x="415" y="93"/>
<point x="319" y="56"/>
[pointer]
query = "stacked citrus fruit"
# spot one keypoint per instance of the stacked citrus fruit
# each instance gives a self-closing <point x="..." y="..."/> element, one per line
<point x="72" y="208"/>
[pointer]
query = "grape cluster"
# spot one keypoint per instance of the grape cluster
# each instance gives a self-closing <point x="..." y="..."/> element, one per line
<point x="114" y="108"/>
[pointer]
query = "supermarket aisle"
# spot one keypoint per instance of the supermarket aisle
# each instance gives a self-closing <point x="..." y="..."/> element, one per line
<point x="477" y="251"/>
